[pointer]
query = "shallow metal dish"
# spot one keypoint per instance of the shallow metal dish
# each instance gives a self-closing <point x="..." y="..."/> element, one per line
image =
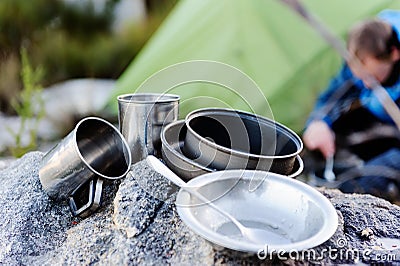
<point x="172" y="138"/>
<point x="231" y="139"/>
<point x="298" y="216"/>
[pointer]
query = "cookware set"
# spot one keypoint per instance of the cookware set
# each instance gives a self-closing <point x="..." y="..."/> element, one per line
<point x="216" y="154"/>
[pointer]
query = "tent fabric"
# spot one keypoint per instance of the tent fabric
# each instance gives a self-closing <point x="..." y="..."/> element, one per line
<point x="288" y="60"/>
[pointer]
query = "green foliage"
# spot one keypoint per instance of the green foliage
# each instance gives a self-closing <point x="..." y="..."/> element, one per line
<point x="23" y="21"/>
<point x="102" y="56"/>
<point x="25" y="108"/>
<point x="83" y="21"/>
<point x="20" y="19"/>
<point x="10" y="69"/>
<point x="69" y="40"/>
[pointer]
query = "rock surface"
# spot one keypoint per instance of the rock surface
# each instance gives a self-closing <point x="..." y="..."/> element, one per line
<point x="132" y="227"/>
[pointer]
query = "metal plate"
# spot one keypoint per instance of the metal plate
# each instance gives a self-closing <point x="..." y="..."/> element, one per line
<point x="298" y="216"/>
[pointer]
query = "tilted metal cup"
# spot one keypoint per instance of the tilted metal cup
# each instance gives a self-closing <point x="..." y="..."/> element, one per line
<point x="93" y="151"/>
<point x="141" y="119"/>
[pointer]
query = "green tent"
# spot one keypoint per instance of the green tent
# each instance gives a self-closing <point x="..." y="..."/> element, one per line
<point x="264" y="39"/>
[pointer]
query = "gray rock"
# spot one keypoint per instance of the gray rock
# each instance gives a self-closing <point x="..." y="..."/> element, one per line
<point x="133" y="227"/>
<point x="6" y="161"/>
<point x="30" y="223"/>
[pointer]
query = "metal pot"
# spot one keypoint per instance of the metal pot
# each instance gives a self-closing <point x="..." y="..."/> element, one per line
<point x="173" y="137"/>
<point x="298" y="167"/>
<point x="231" y="139"/>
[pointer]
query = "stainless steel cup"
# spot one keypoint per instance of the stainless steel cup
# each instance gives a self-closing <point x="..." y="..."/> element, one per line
<point x="141" y="119"/>
<point x="93" y="151"/>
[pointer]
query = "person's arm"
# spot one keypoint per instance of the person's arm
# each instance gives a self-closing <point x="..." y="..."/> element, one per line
<point x="318" y="134"/>
<point x="327" y="107"/>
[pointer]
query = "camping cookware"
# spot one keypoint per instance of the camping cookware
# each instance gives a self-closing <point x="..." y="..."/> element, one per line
<point x="93" y="151"/>
<point x="172" y="138"/>
<point x="231" y="139"/>
<point x="141" y="118"/>
<point x="295" y="215"/>
<point x="252" y="234"/>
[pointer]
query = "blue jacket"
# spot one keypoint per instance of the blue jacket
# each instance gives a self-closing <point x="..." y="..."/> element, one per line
<point x="345" y="88"/>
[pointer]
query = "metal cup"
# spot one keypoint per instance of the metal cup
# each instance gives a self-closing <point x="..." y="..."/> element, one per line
<point x="141" y="119"/>
<point x="93" y="151"/>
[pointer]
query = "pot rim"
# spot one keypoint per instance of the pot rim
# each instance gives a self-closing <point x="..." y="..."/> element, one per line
<point x="125" y="146"/>
<point x="278" y="126"/>
<point x="298" y="171"/>
<point x="158" y="98"/>
<point x="177" y="154"/>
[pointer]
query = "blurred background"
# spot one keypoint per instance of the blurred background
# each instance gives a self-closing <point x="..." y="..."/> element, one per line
<point x="61" y="60"/>
<point x="73" y="38"/>
<point x="44" y="43"/>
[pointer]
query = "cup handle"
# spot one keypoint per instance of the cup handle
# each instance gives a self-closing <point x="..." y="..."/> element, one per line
<point x="93" y="203"/>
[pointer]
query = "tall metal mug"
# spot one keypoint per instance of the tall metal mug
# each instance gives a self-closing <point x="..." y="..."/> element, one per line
<point x="141" y="119"/>
<point x="95" y="150"/>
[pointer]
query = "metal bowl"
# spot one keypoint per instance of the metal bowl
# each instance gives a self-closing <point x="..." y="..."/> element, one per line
<point x="172" y="139"/>
<point x="297" y="216"/>
<point x="232" y="139"/>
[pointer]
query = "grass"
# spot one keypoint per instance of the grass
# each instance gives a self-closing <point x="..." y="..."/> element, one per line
<point x="25" y="107"/>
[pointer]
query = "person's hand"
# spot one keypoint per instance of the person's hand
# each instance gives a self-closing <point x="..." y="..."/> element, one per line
<point x="319" y="136"/>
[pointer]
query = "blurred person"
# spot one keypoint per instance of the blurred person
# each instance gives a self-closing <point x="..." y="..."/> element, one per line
<point x="347" y="115"/>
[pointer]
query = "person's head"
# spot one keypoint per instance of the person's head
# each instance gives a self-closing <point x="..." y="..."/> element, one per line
<point x="376" y="46"/>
